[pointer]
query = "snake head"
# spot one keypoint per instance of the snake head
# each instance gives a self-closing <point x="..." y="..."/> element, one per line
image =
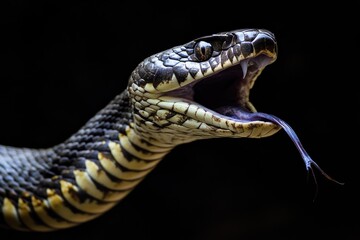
<point x="201" y="89"/>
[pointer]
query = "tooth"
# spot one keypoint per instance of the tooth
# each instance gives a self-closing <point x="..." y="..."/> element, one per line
<point x="244" y="66"/>
<point x="250" y="106"/>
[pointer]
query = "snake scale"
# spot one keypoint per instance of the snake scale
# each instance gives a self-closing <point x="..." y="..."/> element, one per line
<point x="198" y="90"/>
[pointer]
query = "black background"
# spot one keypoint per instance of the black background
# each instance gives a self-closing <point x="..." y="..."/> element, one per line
<point x="62" y="62"/>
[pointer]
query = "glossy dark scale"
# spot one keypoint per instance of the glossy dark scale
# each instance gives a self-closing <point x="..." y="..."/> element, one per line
<point x="24" y="173"/>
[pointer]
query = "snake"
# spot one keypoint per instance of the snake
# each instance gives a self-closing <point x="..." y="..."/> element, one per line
<point x="194" y="91"/>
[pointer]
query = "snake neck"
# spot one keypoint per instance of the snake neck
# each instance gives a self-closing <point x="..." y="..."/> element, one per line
<point x="79" y="179"/>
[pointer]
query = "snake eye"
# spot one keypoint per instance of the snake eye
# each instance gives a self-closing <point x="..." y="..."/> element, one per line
<point x="203" y="51"/>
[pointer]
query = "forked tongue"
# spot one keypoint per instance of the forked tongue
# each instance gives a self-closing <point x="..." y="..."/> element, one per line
<point x="244" y="115"/>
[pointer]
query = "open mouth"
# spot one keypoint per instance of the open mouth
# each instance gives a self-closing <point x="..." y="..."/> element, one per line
<point x="226" y="92"/>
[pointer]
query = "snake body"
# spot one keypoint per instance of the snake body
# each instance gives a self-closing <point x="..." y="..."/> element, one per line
<point x="198" y="90"/>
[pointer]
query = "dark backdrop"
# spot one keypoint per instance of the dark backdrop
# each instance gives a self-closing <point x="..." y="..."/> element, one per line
<point x="63" y="62"/>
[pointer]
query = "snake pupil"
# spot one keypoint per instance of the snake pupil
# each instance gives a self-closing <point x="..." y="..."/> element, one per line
<point x="203" y="50"/>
